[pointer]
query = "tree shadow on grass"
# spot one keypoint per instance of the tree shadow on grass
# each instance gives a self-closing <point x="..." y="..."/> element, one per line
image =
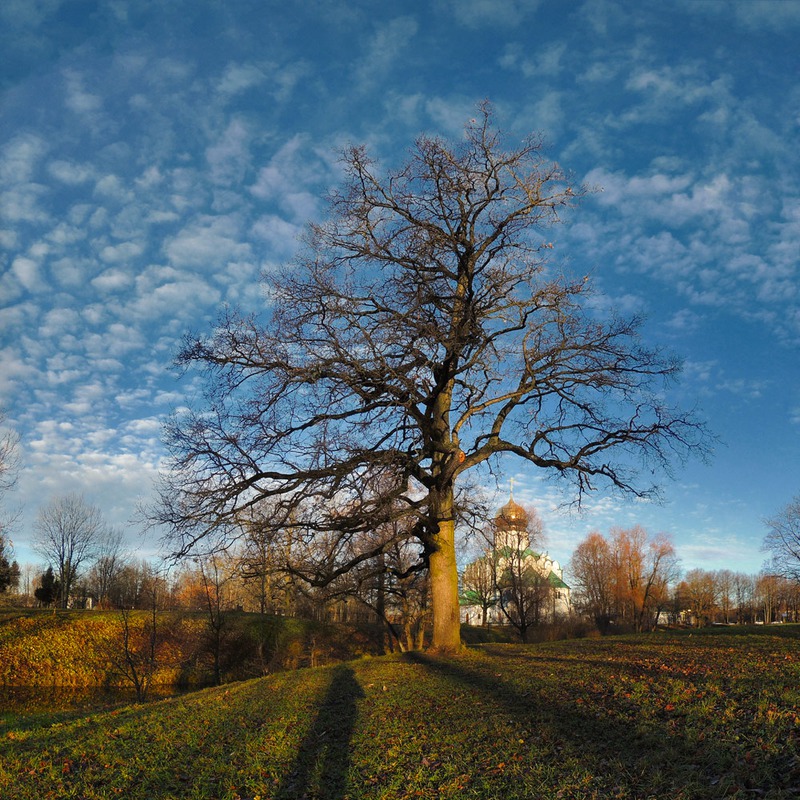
<point x="627" y="756"/>
<point x="319" y="771"/>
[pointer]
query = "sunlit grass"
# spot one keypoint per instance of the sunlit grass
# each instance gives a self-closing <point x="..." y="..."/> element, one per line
<point x="78" y="648"/>
<point x="660" y="716"/>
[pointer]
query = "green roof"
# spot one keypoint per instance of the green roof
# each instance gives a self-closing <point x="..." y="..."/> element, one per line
<point x="556" y="582"/>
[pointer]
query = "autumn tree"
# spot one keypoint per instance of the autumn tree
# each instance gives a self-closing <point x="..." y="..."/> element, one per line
<point x="645" y="566"/>
<point x="624" y="577"/>
<point x="421" y="334"/>
<point x="701" y="593"/>
<point x="593" y="570"/>
<point x="67" y="532"/>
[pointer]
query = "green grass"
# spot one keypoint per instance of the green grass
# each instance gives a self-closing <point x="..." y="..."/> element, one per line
<point x="670" y="715"/>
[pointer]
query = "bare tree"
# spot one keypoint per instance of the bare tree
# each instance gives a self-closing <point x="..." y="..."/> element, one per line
<point x="744" y="589"/>
<point x="421" y="334"/>
<point x="9" y="457"/>
<point x="107" y="566"/>
<point x="782" y="541"/>
<point x="479" y="583"/>
<point x="523" y="588"/>
<point x="767" y="590"/>
<point x="9" y="472"/>
<point x="68" y="530"/>
<point x="134" y="654"/>
<point x="215" y="574"/>
<point x="724" y="579"/>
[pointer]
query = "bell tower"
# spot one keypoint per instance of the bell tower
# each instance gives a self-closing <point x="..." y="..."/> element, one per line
<point x="511" y="527"/>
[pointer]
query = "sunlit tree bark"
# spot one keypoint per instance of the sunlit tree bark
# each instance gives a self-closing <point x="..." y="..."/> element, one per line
<point x="421" y="334"/>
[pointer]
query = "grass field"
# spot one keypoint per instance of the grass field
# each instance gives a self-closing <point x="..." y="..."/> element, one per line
<point x="669" y="715"/>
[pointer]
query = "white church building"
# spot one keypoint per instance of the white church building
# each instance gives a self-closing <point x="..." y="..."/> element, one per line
<point x="483" y="582"/>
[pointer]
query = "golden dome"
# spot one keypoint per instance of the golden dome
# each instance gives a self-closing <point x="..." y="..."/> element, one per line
<point x="511" y="516"/>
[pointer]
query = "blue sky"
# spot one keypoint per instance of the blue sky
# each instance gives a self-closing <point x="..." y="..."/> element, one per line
<point x="156" y="157"/>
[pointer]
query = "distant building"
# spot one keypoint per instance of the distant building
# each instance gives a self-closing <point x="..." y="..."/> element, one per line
<point x="487" y="583"/>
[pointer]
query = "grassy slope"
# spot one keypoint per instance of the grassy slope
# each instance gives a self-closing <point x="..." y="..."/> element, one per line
<point x="80" y="648"/>
<point x="664" y="716"/>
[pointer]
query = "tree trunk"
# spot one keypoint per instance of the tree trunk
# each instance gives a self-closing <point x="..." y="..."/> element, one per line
<point x="444" y="584"/>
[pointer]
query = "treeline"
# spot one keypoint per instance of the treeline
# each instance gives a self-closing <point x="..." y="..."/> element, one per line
<point x="632" y="580"/>
<point x="626" y="580"/>
<point x="705" y="597"/>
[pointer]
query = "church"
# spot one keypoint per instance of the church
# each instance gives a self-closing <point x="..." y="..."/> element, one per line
<point x="511" y="579"/>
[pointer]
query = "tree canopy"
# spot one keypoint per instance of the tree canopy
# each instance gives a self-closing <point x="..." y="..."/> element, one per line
<point x="421" y="333"/>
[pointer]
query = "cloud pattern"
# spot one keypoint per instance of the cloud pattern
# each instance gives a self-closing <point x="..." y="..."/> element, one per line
<point x="155" y="160"/>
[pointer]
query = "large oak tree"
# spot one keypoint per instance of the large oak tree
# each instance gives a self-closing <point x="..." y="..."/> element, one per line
<point x="421" y="334"/>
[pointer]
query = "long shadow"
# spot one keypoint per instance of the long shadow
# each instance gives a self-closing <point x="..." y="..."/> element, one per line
<point x="319" y="771"/>
<point x="598" y="738"/>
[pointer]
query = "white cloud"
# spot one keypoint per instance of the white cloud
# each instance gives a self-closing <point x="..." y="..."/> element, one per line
<point x="64" y="235"/>
<point x="15" y="370"/>
<point x="112" y="280"/>
<point x="781" y="16"/>
<point x="684" y="320"/>
<point x="280" y="235"/>
<point x="229" y="156"/>
<point x="20" y="158"/>
<point x="293" y="178"/>
<point x="58" y="321"/>
<point x="111" y="187"/>
<point x="70" y="173"/>
<point x="450" y="114"/>
<point x="547" y="61"/>
<point x="208" y="242"/>
<point x="21" y="203"/>
<point x="27" y="273"/>
<point x="125" y="252"/>
<point x="490" y="13"/>
<point x="385" y="48"/>
<point x="165" y="293"/>
<point x="76" y="98"/>
<point x="240" y="77"/>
